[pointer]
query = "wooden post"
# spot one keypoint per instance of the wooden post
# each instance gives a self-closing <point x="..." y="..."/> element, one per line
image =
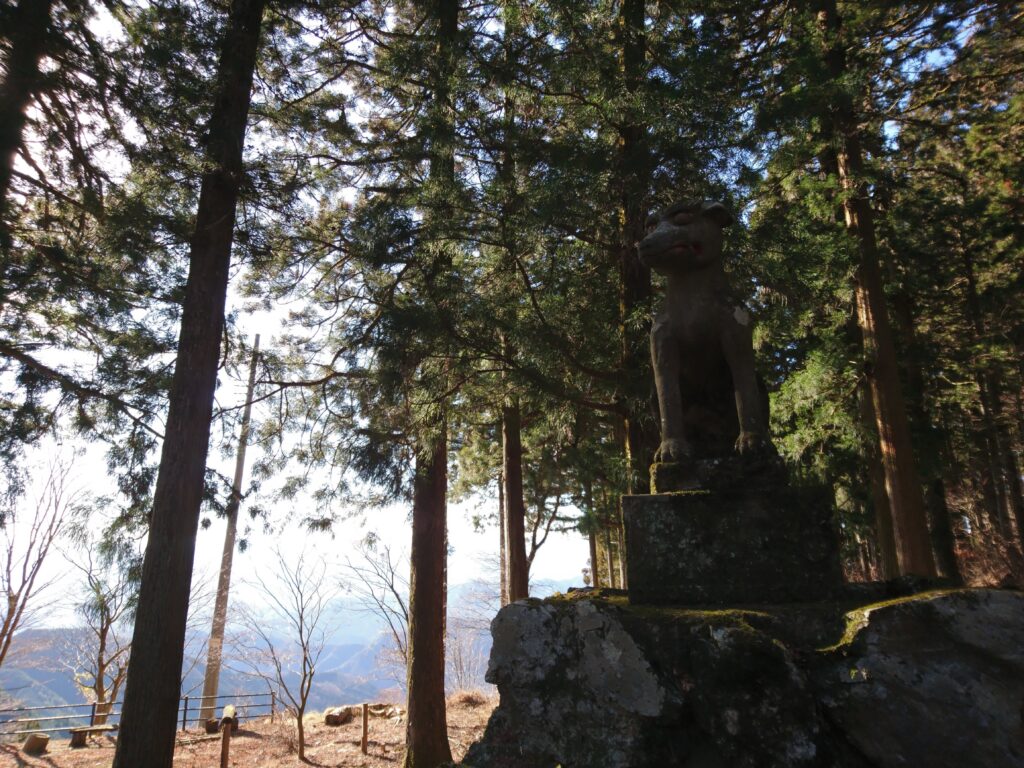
<point x="366" y="717"/>
<point x="215" y="648"/>
<point x="225" y="744"/>
<point x="228" y="722"/>
<point x="184" y="714"/>
<point x="92" y="715"/>
<point x="273" y="705"/>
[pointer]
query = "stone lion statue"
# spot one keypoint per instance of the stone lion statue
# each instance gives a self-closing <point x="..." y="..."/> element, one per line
<point x="711" y="401"/>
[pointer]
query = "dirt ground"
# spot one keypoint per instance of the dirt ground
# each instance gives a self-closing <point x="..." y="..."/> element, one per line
<point x="262" y="744"/>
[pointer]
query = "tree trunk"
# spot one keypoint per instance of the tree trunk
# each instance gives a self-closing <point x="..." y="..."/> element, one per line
<point x="913" y="544"/>
<point x="515" y="507"/>
<point x="608" y="557"/>
<point x="516" y="563"/>
<point x="620" y="549"/>
<point x="888" y="565"/>
<point x="427" y="731"/>
<point x="150" y="705"/>
<point x="928" y="442"/>
<point x="102" y="709"/>
<point x="31" y="20"/>
<point x="983" y="490"/>
<point x="595" y="579"/>
<point x="1006" y="461"/>
<point x="502" y="546"/>
<point x="592" y="524"/>
<point x="1002" y="461"/>
<point x="426" y="735"/>
<point x="211" y="681"/>
<point x="633" y="159"/>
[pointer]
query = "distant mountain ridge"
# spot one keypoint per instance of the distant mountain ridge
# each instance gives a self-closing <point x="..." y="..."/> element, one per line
<point x="37" y="673"/>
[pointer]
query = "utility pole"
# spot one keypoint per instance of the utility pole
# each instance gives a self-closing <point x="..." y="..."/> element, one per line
<point x="220" y="609"/>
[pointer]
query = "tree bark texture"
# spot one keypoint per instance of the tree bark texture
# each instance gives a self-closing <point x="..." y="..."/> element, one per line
<point x="903" y="486"/>
<point x="888" y="565"/>
<point x="502" y="548"/>
<point x="913" y="543"/>
<point x="146" y="737"/>
<point x="595" y="562"/>
<point x="211" y="679"/>
<point x="635" y="291"/>
<point x="427" y="731"/>
<point x="927" y="440"/>
<point x="609" y="561"/>
<point x="27" y="42"/>
<point x="515" y="507"/>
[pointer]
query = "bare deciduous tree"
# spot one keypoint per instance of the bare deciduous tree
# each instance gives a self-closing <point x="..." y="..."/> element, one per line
<point x="25" y="542"/>
<point x="200" y="603"/>
<point x="465" y="659"/>
<point x="469" y="629"/>
<point x="97" y="654"/>
<point x="378" y="584"/>
<point x="299" y="597"/>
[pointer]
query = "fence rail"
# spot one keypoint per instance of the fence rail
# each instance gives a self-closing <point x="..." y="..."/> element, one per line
<point x="244" y="710"/>
<point x="266" y="704"/>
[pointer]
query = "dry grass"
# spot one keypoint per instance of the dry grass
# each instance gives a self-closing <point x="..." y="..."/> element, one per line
<point x="263" y="744"/>
<point x="469" y="699"/>
<point x="991" y="561"/>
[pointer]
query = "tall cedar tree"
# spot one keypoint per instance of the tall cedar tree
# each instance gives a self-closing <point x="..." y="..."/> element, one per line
<point x="153" y="684"/>
<point x="515" y="578"/>
<point x="426" y="738"/>
<point x="955" y="174"/>
<point x="215" y="644"/>
<point x="29" y="24"/>
<point x="910" y="527"/>
<point x="903" y="81"/>
<point x="631" y="179"/>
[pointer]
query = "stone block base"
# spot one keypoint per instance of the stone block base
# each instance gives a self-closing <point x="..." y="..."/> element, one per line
<point x="742" y="545"/>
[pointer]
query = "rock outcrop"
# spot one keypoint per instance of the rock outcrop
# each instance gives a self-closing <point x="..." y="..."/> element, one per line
<point x="934" y="681"/>
<point x="349" y="712"/>
<point x="588" y="680"/>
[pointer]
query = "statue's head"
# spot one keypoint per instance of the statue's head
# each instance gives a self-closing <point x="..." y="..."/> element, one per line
<point x="685" y="236"/>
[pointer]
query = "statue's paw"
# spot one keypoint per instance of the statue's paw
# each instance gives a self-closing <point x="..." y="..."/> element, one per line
<point x="672" y="450"/>
<point x="749" y="443"/>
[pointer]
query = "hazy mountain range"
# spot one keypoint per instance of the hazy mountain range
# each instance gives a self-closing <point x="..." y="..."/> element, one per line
<point x="353" y="667"/>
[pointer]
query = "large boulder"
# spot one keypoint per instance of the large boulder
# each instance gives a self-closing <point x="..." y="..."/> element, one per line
<point x="936" y="680"/>
<point x="576" y="688"/>
<point x="931" y="680"/>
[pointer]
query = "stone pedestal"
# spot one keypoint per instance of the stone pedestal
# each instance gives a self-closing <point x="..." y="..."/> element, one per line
<point x="759" y="542"/>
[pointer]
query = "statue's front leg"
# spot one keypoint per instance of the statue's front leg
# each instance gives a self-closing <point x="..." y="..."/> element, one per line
<point x="738" y="348"/>
<point x="665" y="358"/>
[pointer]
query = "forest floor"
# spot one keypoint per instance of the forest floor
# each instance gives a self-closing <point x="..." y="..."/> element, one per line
<point x="263" y="744"/>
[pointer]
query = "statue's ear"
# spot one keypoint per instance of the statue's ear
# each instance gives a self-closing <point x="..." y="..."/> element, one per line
<point x="718" y="213"/>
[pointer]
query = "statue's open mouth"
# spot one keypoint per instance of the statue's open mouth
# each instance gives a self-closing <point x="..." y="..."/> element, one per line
<point x="684" y="249"/>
